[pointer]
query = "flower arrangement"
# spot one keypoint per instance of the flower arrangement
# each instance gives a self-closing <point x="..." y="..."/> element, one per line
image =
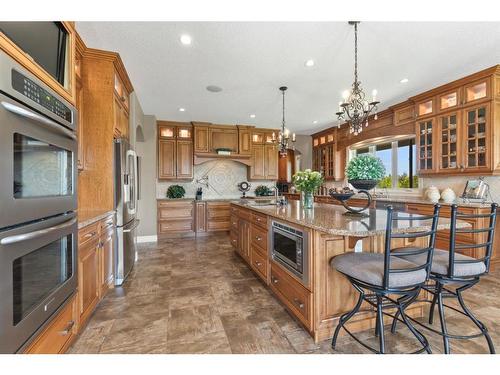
<point x="307" y="181"/>
<point x="365" y="167"/>
<point x="263" y="191"/>
<point x="175" y="191"/>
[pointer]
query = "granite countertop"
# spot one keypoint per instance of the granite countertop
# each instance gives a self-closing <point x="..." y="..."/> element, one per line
<point x="87" y="217"/>
<point x="330" y="219"/>
<point x="419" y="200"/>
<point x="232" y="199"/>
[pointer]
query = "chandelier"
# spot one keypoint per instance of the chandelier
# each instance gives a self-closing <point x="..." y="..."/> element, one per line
<point x="284" y="133"/>
<point x="355" y="108"/>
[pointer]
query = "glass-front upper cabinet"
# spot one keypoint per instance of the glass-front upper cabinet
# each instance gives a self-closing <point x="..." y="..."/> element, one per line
<point x="477" y="125"/>
<point x="449" y="100"/>
<point x="425" y="142"/>
<point x="166" y="131"/>
<point x="425" y="108"/>
<point x="449" y="140"/>
<point x="184" y="132"/>
<point x="475" y="91"/>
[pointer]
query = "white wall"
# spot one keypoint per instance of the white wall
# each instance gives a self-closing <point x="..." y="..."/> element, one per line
<point x="304" y="145"/>
<point x="147" y="203"/>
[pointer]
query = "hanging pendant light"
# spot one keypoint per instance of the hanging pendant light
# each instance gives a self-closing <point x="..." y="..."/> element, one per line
<point x="284" y="133"/>
<point x="354" y="108"/>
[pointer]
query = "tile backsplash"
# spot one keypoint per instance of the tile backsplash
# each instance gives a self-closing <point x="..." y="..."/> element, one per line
<point x="218" y="179"/>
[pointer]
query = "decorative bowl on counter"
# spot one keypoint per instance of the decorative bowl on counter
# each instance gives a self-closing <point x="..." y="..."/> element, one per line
<point x="363" y="184"/>
<point x="341" y="196"/>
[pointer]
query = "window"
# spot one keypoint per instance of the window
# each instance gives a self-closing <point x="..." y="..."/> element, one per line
<point x="399" y="159"/>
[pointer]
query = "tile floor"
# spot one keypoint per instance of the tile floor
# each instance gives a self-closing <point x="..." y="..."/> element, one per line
<point x="198" y="296"/>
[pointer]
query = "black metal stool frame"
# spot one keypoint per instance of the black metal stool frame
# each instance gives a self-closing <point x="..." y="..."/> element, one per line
<point x="379" y="294"/>
<point x="439" y="290"/>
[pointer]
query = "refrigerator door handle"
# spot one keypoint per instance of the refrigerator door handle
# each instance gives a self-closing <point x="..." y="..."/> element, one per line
<point x="134" y="225"/>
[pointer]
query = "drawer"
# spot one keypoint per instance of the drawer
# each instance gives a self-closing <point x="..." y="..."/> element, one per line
<point x="245" y="214"/>
<point x="258" y="237"/>
<point x="234" y="222"/>
<point x="175" y="212"/>
<point x="259" y="219"/>
<point x="292" y="294"/>
<point x="106" y="223"/>
<point x="233" y="236"/>
<point x="259" y="263"/>
<point x="181" y="226"/>
<point x="219" y="225"/>
<point x="234" y="210"/>
<point x="88" y="233"/>
<point x="217" y="211"/>
<point x="54" y="338"/>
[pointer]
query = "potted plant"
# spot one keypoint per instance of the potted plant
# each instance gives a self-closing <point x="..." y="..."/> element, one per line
<point x="307" y="182"/>
<point x="263" y="191"/>
<point x="175" y="192"/>
<point x="365" y="171"/>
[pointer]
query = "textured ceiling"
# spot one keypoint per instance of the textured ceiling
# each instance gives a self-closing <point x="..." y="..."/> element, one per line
<point x="250" y="60"/>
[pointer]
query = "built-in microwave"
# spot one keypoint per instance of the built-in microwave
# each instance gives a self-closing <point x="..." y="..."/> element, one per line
<point x="289" y="247"/>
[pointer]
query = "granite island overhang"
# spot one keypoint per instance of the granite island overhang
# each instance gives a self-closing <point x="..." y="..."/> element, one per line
<point x="319" y="300"/>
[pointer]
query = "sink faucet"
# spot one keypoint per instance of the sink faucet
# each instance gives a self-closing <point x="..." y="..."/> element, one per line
<point x="276" y="194"/>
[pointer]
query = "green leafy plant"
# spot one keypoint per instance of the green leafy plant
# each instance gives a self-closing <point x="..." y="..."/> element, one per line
<point x="263" y="191"/>
<point x="365" y="167"/>
<point x="175" y="192"/>
<point x="307" y="181"/>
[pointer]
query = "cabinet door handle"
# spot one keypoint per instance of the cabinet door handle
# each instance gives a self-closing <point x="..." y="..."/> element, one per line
<point x="259" y="219"/>
<point x="299" y="303"/>
<point x="258" y="264"/>
<point x="67" y="329"/>
<point x="258" y="238"/>
<point x="275" y="280"/>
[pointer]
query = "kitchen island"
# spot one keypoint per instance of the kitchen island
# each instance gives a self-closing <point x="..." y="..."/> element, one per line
<point x="316" y="295"/>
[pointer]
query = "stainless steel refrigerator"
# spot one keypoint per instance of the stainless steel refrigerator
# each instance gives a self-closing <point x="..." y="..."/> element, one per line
<point x="126" y="196"/>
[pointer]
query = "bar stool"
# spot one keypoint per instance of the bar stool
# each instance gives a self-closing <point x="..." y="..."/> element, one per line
<point x="454" y="270"/>
<point x="379" y="277"/>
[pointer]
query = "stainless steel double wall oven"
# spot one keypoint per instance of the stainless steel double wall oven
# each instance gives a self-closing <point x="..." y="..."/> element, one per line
<point x="38" y="201"/>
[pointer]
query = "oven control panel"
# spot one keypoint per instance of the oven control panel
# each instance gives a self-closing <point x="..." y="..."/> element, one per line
<point x="39" y="95"/>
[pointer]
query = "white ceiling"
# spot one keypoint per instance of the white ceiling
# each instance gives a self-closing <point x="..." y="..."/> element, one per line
<point x="250" y="60"/>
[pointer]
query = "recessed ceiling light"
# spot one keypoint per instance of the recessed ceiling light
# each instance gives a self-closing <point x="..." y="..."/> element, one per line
<point x="182" y="109"/>
<point x="404" y="80"/>
<point x="186" y="39"/>
<point x="252" y="116"/>
<point x="315" y="121"/>
<point x="213" y="88"/>
<point x="309" y="63"/>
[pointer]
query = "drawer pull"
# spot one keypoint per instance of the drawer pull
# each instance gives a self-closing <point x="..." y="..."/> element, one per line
<point x="259" y="219"/>
<point x="298" y="303"/>
<point x="275" y="280"/>
<point x="234" y="223"/>
<point x="67" y="329"/>
<point x="258" y="238"/>
<point x="258" y="264"/>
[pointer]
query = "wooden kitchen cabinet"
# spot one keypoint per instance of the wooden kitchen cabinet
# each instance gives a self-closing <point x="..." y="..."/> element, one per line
<point x="175" y="151"/>
<point x="223" y="137"/>
<point x="218" y="216"/>
<point x="184" y="160"/>
<point x="264" y="162"/>
<point x="200" y="217"/>
<point x="244" y="140"/>
<point x="106" y="259"/>
<point x="95" y="266"/>
<point x="244" y="239"/>
<point x="88" y="278"/>
<point x="426" y="141"/>
<point x="59" y="334"/>
<point x="175" y="217"/>
<point x="201" y="143"/>
<point x="167" y="166"/>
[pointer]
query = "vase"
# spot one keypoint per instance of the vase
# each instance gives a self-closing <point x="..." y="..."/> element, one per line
<point x="432" y="194"/>
<point x="307" y="199"/>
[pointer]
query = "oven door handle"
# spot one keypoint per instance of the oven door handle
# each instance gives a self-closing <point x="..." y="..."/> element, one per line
<point x="35" y="234"/>
<point x="135" y="225"/>
<point x="36" y="117"/>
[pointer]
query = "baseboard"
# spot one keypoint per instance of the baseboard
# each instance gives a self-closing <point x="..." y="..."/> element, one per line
<point x="142" y="239"/>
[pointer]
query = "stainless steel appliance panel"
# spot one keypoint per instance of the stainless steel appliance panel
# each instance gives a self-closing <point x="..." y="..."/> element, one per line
<point x="289" y="247"/>
<point x="126" y="182"/>
<point x="38" y="168"/>
<point x="38" y="273"/>
<point x="125" y="250"/>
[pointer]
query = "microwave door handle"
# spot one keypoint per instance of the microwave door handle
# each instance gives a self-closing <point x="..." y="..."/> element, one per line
<point x="35" y="234"/>
<point x="36" y="117"/>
